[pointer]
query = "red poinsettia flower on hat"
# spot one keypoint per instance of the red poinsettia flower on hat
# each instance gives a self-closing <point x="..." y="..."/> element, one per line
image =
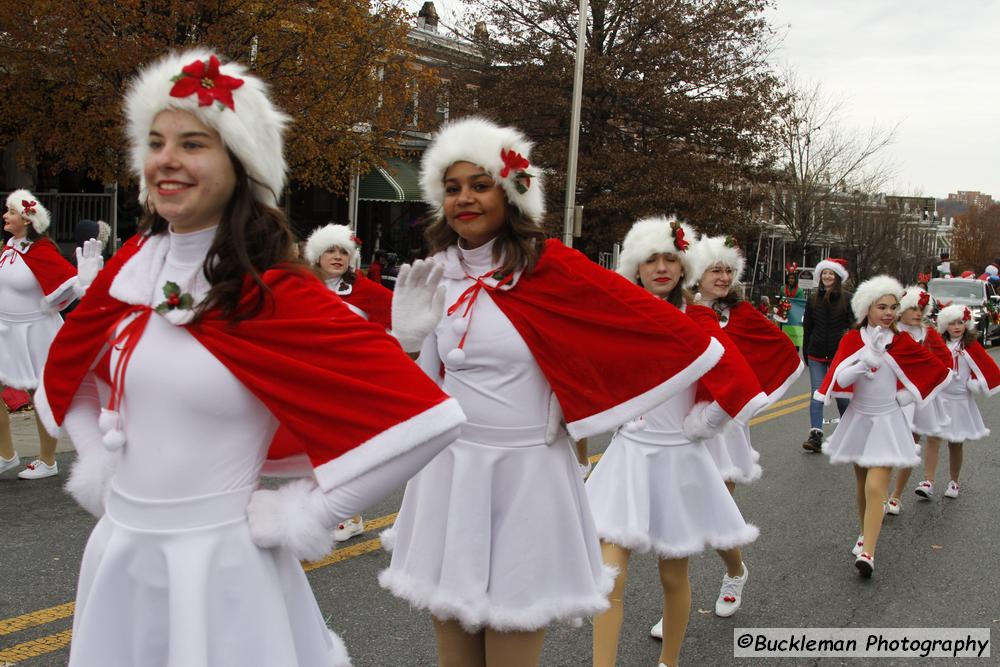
<point x="924" y="299"/>
<point x="966" y="315"/>
<point x="204" y="78"/>
<point x="28" y="206"/>
<point x="679" y="241"/>
<point x="514" y="161"/>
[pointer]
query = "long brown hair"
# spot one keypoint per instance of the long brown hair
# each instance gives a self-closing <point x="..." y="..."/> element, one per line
<point x="519" y="243"/>
<point x="968" y="337"/>
<point x="252" y="237"/>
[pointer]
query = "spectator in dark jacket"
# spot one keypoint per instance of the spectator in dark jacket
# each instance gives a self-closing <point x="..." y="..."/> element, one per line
<point x="827" y="318"/>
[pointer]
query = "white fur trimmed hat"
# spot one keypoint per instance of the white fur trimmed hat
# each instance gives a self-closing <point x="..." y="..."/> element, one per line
<point x="838" y="266"/>
<point x="504" y="153"/>
<point x="652" y="236"/>
<point x="712" y="250"/>
<point x="222" y="95"/>
<point x="30" y="209"/>
<point x="871" y="291"/>
<point x="950" y="314"/>
<point x="331" y="236"/>
<point x="918" y="298"/>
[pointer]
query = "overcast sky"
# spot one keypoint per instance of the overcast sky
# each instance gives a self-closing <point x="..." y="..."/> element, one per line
<point x="933" y="66"/>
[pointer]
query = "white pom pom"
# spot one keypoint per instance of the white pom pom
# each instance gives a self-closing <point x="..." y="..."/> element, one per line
<point x="458" y="325"/>
<point x="114" y="440"/>
<point x="456" y="357"/>
<point x="633" y="426"/>
<point x="108" y="420"/>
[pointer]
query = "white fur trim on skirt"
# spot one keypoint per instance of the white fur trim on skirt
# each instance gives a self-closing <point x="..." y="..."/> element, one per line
<point x="873" y="440"/>
<point x="24" y="344"/>
<point x="499" y="535"/>
<point x="733" y="454"/>
<point x="966" y="421"/>
<point x="654" y="491"/>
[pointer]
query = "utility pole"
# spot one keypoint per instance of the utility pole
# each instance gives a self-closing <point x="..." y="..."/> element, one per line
<point x="574" y="130"/>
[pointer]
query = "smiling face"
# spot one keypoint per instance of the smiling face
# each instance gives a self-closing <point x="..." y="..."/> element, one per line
<point x="827" y="277"/>
<point x="661" y="273"/>
<point x="716" y="282"/>
<point x="15" y="223"/>
<point x="188" y="172"/>
<point x="475" y="206"/>
<point x="883" y="312"/>
<point x="910" y="317"/>
<point x="334" y="262"/>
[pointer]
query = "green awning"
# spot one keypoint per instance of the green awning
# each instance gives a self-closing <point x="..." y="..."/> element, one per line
<point x="398" y="181"/>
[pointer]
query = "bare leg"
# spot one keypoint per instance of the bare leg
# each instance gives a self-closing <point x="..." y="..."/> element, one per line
<point x="860" y="474"/>
<point x="514" y="649"/>
<point x="902" y="478"/>
<point x="581" y="452"/>
<point x="931" y="451"/>
<point x="876" y="485"/>
<point x="733" y="558"/>
<point x="676" y="608"/>
<point x="458" y="648"/>
<point x="608" y="625"/>
<point x="47" y="444"/>
<point x="6" y="444"/>
<point x="955" y="459"/>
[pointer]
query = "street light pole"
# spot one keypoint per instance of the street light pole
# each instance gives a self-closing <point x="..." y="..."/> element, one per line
<point x="574" y="130"/>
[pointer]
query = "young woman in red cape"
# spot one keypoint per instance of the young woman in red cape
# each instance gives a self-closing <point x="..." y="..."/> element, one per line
<point x="717" y="267"/>
<point x="975" y="372"/>
<point x="334" y="254"/>
<point x="194" y="332"/>
<point x="928" y="419"/>
<point x="879" y="369"/>
<point x="36" y="282"/>
<point x="495" y="537"/>
<point x="656" y="488"/>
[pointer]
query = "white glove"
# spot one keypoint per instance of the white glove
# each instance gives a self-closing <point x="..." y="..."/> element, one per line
<point x="904" y="398"/>
<point x="703" y="421"/>
<point x="291" y="517"/>
<point x="881" y="339"/>
<point x="417" y="303"/>
<point x="975" y="386"/>
<point x="871" y="358"/>
<point x="88" y="262"/>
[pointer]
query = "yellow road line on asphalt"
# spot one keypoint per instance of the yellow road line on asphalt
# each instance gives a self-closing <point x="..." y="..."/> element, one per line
<point x="54" y="642"/>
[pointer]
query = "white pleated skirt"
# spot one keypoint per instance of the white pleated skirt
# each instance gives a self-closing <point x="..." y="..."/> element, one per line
<point x="24" y="345"/>
<point x="873" y="437"/>
<point x="927" y="420"/>
<point x="656" y="491"/>
<point x="179" y="583"/>
<point x="733" y="454"/>
<point x="496" y="532"/>
<point x="966" y="422"/>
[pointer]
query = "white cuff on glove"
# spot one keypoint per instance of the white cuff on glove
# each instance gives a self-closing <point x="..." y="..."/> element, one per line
<point x="703" y="421"/>
<point x="975" y="386"/>
<point x="293" y="517"/>
<point x="904" y="397"/>
<point x="90" y="478"/>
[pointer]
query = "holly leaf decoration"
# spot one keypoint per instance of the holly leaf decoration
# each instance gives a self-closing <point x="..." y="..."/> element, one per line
<point x="162" y="308"/>
<point x="171" y="288"/>
<point x="186" y="302"/>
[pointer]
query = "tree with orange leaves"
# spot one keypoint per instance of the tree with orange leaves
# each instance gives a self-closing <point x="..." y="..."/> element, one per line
<point x="339" y="67"/>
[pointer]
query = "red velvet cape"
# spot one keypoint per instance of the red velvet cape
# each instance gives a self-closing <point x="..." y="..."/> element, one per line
<point x="49" y="267"/>
<point x="769" y="351"/>
<point x="372" y="298"/>
<point x="610" y="350"/>
<point x="332" y="380"/>
<point x="984" y="367"/>
<point x="917" y="369"/>
<point x="933" y="342"/>
<point x="732" y="381"/>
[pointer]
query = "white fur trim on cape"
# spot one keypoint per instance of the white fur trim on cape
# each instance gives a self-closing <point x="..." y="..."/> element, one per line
<point x="432" y="423"/>
<point x="63" y="295"/>
<point x="951" y="313"/>
<point x="479" y="141"/>
<point x="871" y="291"/>
<point x="640" y="542"/>
<point x="708" y="252"/>
<point x="253" y="130"/>
<point x="613" y="417"/>
<point x="90" y="478"/>
<point x="979" y="375"/>
<point x="331" y="236"/>
<point x="287" y="517"/>
<point x="40" y="219"/>
<point x="652" y="236"/>
<point x="24" y="384"/>
<point x="911" y="299"/>
<point x="832" y="266"/>
<point x="480" y="613"/>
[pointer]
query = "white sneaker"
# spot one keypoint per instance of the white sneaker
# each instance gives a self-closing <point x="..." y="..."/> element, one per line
<point x="38" y="469"/>
<point x="9" y="464"/>
<point x="925" y="489"/>
<point x="865" y="564"/>
<point x="859" y="546"/>
<point x="348" y="529"/>
<point x="893" y="506"/>
<point x="952" y="491"/>
<point x="731" y="595"/>
<point x="656" y="632"/>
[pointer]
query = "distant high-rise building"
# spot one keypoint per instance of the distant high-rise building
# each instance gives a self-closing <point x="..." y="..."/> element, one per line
<point x="972" y="198"/>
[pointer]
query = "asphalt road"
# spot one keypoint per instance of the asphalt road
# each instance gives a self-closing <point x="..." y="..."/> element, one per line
<point x="937" y="566"/>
